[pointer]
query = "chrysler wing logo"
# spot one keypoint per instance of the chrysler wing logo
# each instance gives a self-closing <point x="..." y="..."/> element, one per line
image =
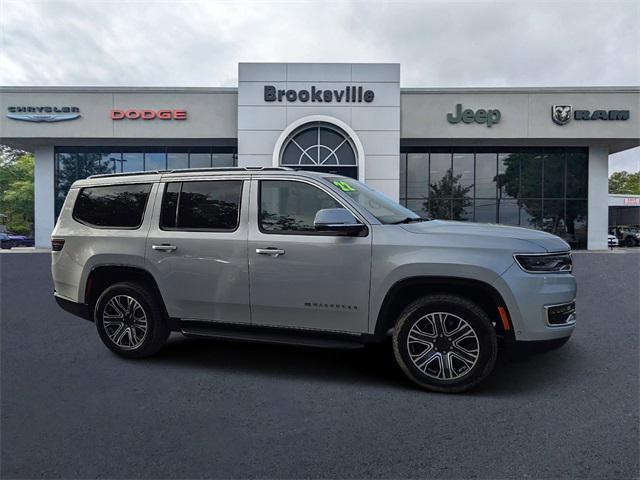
<point x="561" y="114"/>
<point x="43" y="114"/>
<point x="34" y="117"/>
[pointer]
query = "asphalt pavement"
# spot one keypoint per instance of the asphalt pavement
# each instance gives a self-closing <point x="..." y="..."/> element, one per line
<point x="209" y="409"/>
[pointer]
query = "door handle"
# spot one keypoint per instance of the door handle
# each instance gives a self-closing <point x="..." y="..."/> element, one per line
<point x="164" y="248"/>
<point x="274" y="252"/>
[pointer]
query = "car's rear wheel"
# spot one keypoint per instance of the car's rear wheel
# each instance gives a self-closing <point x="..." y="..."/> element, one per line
<point x="130" y="320"/>
<point x="445" y="343"/>
<point x="629" y="242"/>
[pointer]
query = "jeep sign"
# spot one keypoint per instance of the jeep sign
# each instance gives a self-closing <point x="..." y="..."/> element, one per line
<point x="488" y="117"/>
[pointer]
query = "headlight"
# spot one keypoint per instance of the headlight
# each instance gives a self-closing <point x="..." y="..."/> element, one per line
<point x="545" y="263"/>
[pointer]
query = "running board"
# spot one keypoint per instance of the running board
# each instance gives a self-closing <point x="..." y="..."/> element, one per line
<point x="273" y="335"/>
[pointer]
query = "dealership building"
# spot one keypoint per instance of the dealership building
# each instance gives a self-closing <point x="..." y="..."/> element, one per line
<point x="532" y="157"/>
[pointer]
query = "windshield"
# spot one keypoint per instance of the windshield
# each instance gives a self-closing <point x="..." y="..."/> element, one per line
<point x="377" y="204"/>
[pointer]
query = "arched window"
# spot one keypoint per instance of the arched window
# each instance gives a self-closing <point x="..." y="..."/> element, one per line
<point x="318" y="144"/>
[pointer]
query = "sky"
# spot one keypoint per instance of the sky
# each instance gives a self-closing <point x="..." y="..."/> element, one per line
<point x="438" y="44"/>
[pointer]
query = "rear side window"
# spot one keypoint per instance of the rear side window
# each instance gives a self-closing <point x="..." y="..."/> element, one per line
<point x="112" y="206"/>
<point x="210" y="206"/>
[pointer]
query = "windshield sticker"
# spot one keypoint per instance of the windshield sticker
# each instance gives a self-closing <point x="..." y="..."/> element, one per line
<point x="344" y="186"/>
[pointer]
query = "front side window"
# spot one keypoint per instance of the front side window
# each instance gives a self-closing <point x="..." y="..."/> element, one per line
<point x="290" y="207"/>
<point x="209" y="205"/>
<point x="112" y="206"/>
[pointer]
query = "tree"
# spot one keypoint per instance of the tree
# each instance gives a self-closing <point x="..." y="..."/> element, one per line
<point x="447" y="198"/>
<point x="16" y="189"/>
<point x="625" y="183"/>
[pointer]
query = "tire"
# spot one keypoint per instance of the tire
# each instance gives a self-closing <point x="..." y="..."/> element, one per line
<point x="629" y="242"/>
<point x="471" y="346"/>
<point x="112" y="316"/>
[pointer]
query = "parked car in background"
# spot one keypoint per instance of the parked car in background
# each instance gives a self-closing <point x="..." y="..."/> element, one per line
<point x="628" y="236"/>
<point x="21" y="240"/>
<point x="613" y="240"/>
<point x="6" y="242"/>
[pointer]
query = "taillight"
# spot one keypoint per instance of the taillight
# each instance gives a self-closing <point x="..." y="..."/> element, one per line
<point x="57" y="244"/>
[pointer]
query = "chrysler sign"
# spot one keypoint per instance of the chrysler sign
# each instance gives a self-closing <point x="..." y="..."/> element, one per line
<point x="40" y="114"/>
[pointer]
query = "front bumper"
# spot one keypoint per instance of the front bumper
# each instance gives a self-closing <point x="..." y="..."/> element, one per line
<point x="536" y="303"/>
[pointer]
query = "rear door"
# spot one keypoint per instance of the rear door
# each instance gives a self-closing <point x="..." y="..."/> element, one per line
<point x="301" y="278"/>
<point x="197" y="248"/>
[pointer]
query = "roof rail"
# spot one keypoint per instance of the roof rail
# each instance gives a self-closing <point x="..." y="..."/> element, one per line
<point x="191" y="170"/>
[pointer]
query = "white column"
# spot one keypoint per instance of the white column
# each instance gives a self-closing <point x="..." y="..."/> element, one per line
<point x="44" y="195"/>
<point x="598" y="203"/>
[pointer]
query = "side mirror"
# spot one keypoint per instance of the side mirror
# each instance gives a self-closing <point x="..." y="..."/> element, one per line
<point x="339" y="220"/>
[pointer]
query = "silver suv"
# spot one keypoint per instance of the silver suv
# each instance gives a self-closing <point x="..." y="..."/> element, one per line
<point x="285" y="256"/>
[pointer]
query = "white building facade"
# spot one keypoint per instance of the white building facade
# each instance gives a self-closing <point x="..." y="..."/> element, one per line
<point x="536" y="158"/>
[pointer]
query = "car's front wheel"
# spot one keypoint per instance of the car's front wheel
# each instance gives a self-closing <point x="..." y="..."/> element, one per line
<point x="130" y="320"/>
<point x="445" y="343"/>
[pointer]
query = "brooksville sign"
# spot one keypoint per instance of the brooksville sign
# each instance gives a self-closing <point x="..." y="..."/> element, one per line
<point x="351" y="94"/>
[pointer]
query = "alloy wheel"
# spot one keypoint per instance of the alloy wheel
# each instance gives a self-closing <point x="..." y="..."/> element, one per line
<point x="125" y="322"/>
<point x="443" y="346"/>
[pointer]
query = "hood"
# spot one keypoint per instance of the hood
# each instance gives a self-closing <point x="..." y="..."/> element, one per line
<point x="547" y="241"/>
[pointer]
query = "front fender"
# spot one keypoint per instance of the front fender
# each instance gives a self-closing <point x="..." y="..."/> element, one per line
<point x="382" y="284"/>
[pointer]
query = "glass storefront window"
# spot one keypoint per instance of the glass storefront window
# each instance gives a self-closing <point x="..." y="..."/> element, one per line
<point x="485" y="210"/>
<point x="508" y="178"/>
<point x="485" y="175"/>
<point x="440" y="174"/>
<point x="199" y="160"/>
<point x="177" y="160"/>
<point x="403" y="176"/>
<point x="553" y="172"/>
<point x="508" y="212"/>
<point x="155" y="161"/>
<point x="73" y="163"/>
<point x="576" y="221"/>
<point x="540" y="188"/>
<point x="417" y="182"/>
<point x="577" y="171"/>
<point x="132" y="162"/>
<point x="109" y="162"/>
<point x="530" y="213"/>
<point x="463" y="173"/>
<point x="553" y="217"/>
<point x="530" y="174"/>
<point x="420" y="207"/>
<point x="223" y="160"/>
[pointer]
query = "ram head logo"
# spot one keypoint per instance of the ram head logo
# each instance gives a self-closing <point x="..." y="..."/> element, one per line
<point x="561" y="114"/>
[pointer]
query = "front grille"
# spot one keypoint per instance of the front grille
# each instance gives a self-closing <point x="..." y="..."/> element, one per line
<point x="560" y="315"/>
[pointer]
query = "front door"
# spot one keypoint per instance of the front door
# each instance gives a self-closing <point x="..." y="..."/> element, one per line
<point x="197" y="249"/>
<point x="298" y="277"/>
